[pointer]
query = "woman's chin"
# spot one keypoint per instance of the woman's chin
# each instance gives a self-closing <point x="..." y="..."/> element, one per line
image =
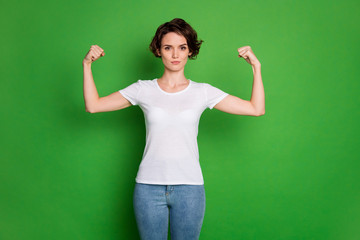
<point x="175" y="68"/>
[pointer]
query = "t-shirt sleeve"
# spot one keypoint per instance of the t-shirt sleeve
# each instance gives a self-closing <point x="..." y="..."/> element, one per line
<point x="213" y="95"/>
<point x="131" y="92"/>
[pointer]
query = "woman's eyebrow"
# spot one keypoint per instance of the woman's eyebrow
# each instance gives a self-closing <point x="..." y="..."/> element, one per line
<point x="171" y="45"/>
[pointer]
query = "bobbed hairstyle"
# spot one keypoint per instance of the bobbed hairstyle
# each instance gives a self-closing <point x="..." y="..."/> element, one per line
<point x="180" y="27"/>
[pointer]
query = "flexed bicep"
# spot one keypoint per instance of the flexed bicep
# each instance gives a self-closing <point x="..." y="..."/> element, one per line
<point x="235" y="105"/>
<point x="112" y="102"/>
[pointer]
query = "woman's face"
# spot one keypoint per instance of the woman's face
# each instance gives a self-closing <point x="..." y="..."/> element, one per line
<point x="174" y="51"/>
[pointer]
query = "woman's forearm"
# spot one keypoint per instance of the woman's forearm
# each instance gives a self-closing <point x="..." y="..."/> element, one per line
<point x="258" y="94"/>
<point x="91" y="95"/>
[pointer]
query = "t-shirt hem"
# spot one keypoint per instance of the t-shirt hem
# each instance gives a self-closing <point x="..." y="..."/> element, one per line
<point x="125" y="96"/>
<point x="218" y="100"/>
<point x="169" y="182"/>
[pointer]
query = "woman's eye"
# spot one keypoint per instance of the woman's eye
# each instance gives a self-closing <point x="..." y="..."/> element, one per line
<point x="183" y="48"/>
<point x="166" y="48"/>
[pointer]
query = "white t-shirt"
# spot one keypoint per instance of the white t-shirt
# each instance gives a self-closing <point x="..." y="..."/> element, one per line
<point x="171" y="154"/>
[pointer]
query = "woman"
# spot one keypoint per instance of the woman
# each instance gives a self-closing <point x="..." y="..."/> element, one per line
<point x="169" y="183"/>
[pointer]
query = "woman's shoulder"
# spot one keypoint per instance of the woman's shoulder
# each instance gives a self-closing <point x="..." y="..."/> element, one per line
<point x="199" y="85"/>
<point x="146" y="82"/>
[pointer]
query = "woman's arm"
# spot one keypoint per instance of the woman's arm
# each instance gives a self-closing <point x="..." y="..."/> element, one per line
<point x="93" y="103"/>
<point x="256" y="105"/>
<point x="91" y="95"/>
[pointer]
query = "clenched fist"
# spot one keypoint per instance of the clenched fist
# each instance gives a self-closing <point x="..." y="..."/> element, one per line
<point x="94" y="54"/>
<point x="246" y="53"/>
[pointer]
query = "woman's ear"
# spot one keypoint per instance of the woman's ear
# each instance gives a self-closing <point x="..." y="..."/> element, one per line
<point x="158" y="52"/>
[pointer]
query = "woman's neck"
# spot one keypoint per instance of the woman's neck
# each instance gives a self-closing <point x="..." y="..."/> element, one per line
<point x="172" y="79"/>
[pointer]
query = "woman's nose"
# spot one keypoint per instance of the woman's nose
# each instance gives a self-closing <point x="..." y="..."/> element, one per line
<point x="175" y="54"/>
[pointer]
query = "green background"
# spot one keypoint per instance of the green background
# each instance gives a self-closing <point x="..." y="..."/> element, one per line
<point x="292" y="173"/>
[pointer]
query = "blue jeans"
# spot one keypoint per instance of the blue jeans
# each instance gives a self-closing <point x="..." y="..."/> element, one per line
<point x="155" y="205"/>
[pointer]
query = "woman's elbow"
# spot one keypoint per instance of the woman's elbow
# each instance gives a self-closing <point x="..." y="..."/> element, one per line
<point x="90" y="110"/>
<point x="260" y="113"/>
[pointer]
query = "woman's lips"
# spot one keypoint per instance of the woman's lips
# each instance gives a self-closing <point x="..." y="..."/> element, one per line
<point x="175" y="62"/>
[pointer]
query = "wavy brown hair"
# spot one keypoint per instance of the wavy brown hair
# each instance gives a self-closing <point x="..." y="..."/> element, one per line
<point x="180" y="27"/>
